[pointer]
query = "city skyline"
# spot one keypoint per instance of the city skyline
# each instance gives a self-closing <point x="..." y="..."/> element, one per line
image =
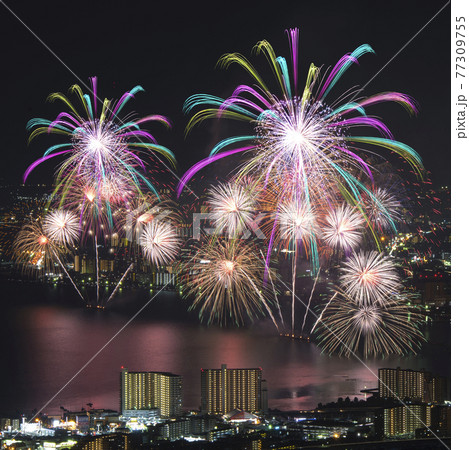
<point x="149" y="399"/>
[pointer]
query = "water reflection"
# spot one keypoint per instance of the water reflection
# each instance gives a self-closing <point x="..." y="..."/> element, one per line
<point x="50" y="340"/>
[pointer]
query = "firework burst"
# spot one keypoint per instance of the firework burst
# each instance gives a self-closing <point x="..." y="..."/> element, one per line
<point x="300" y="137"/>
<point x="302" y="142"/>
<point x="225" y="281"/>
<point x="159" y="242"/>
<point x="131" y="218"/>
<point x="370" y="277"/>
<point x="103" y="155"/>
<point x="34" y="249"/>
<point x="13" y="219"/>
<point x="62" y="227"/>
<point x="297" y="222"/>
<point x="96" y="215"/>
<point x="349" y="328"/>
<point x="384" y="209"/>
<point x="232" y="207"/>
<point x="343" y="228"/>
<point x="99" y="140"/>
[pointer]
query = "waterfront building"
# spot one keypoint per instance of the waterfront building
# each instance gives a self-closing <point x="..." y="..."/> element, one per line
<point x="107" y="442"/>
<point x="175" y="429"/>
<point x="224" y="390"/>
<point x="438" y="390"/>
<point x="404" y="420"/>
<point x="106" y="265"/>
<point x="402" y="384"/>
<point x="151" y="390"/>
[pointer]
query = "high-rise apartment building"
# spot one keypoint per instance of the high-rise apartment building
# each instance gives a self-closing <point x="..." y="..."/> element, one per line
<point x="402" y="383"/>
<point x="404" y="420"/>
<point x="151" y="390"/>
<point x="438" y="390"/>
<point x="224" y="390"/>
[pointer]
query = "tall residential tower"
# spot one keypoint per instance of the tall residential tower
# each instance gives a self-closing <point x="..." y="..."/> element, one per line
<point x="402" y="383"/>
<point x="224" y="390"/>
<point x="151" y="390"/>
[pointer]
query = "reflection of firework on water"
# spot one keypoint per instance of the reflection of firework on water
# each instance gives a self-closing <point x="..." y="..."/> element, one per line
<point x="33" y="248"/>
<point x="370" y="277"/>
<point x="160" y="242"/>
<point x="232" y="207"/>
<point x="384" y="209"/>
<point x="225" y="281"/>
<point x="343" y="228"/>
<point x="349" y="328"/>
<point x="62" y="227"/>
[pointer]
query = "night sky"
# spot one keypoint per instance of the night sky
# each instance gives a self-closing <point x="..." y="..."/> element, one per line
<point x="171" y="49"/>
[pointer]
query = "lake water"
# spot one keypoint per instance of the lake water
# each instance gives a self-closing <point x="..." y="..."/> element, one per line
<point x="48" y="336"/>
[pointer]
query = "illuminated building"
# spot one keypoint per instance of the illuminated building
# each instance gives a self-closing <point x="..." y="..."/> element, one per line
<point x="404" y="420"/>
<point x="237" y="416"/>
<point x="162" y="278"/>
<point x="77" y="263"/>
<point x="88" y="265"/>
<point x="109" y="442"/>
<point x="175" y="429"/>
<point x="224" y="390"/>
<point x="9" y="425"/>
<point x="114" y="240"/>
<point x="312" y="430"/>
<point x="106" y="265"/>
<point x="438" y="392"/>
<point x="142" y="415"/>
<point x="151" y="390"/>
<point x="401" y="384"/>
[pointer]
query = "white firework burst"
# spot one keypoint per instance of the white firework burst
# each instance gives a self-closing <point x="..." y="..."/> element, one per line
<point x="343" y="228"/>
<point x="160" y="242"/>
<point x="370" y="277"/>
<point x="62" y="227"/>
<point x="297" y="221"/>
<point x="384" y="209"/>
<point x="225" y="279"/>
<point x="34" y="250"/>
<point x="232" y="207"/>
<point x="350" y="328"/>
